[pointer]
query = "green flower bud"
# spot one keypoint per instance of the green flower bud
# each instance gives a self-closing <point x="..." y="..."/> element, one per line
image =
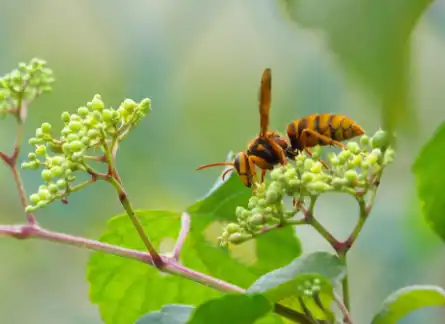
<point x="145" y="105"/>
<point x="72" y="137"/>
<point x="353" y="147"/>
<point x="253" y="201"/>
<point x="34" y="141"/>
<point x="97" y="115"/>
<point x="75" y="117"/>
<point x="317" y="167"/>
<point x="57" y="160"/>
<point x="294" y="184"/>
<point x="41" y="150"/>
<point x="372" y="159"/>
<point x="44" y="194"/>
<point x="68" y="173"/>
<point x="32" y="156"/>
<point x="276" y="173"/>
<point x="316" y="152"/>
<point x="262" y="202"/>
<point x="75" y="125"/>
<point x="93" y="133"/>
<point x="107" y="115"/>
<point x="337" y="183"/>
<point x="364" y="140"/>
<point x="388" y="158"/>
<point x="318" y="186"/>
<point x="86" y="140"/>
<point x="356" y="160"/>
<point x="52" y="188"/>
<point x="272" y="196"/>
<point x="307" y="177"/>
<point x="65" y="117"/>
<point x="83" y="111"/>
<point x="61" y="184"/>
<point x="233" y="228"/>
<point x="129" y="105"/>
<point x="97" y="103"/>
<point x="377" y="152"/>
<point x="344" y="156"/>
<point x="76" y="146"/>
<point x="56" y="171"/>
<point x="308" y="163"/>
<point x="239" y="211"/>
<point x="46" y="175"/>
<point x="238" y="238"/>
<point x="380" y="139"/>
<point x="256" y="220"/>
<point x="290" y="174"/>
<point x="46" y="128"/>
<point x="351" y="176"/>
<point x="34" y="198"/>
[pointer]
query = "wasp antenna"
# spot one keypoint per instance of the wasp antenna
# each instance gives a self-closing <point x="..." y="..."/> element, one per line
<point x="214" y="164"/>
<point x="226" y="172"/>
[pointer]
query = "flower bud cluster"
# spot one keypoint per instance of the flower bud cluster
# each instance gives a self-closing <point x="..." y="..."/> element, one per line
<point x="309" y="288"/>
<point x="24" y="84"/>
<point x="93" y="127"/>
<point x="353" y="170"/>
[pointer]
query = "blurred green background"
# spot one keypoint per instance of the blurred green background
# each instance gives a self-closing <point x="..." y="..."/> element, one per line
<point x="200" y="62"/>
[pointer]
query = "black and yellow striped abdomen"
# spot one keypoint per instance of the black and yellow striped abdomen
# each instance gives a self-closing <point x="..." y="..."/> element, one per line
<point x="330" y="126"/>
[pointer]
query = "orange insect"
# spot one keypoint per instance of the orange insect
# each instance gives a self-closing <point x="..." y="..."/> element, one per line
<point x="270" y="148"/>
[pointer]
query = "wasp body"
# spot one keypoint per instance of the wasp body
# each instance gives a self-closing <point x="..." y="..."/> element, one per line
<point x="270" y="148"/>
<point x="321" y="129"/>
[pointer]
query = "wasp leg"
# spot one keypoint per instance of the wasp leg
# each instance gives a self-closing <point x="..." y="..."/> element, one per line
<point x="263" y="174"/>
<point x="310" y="154"/>
<point x="323" y="138"/>
<point x="252" y="168"/>
<point x="278" y="150"/>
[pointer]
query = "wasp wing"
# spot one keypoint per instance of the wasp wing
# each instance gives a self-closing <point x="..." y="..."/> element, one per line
<point x="264" y="100"/>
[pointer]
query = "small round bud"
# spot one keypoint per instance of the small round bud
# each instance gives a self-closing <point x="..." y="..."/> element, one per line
<point x="372" y="159"/>
<point x="253" y="201"/>
<point x="65" y="117"/>
<point x="97" y="115"/>
<point x="52" y="188"/>
<point x="351" y="176"/>
<point x="272" y="196"/>
<point x="337" y="183"/>
<point x="44" y="194"/>
<point x="76" y="146"/>
<point x="41" y="150"/>
<point x="262" y="202"/>
<point x="46" y="128"/>
<point x="75" y="125"/>
<point x="316" y="152"/>
<point x="356" y="160"/>
<point x="239" y="211"/>
<point x="34" y="141"/>
<point x="388" y="158"/>
<point x="129" y="105"/>
<point x="56" y="171"/>
<point x="55" y="148"/>
<point x="294" y="184"/>
<point x="344" y="156"/>
<point x="83" y="111"/>
<point x="107" y="115"/>
<point x="380" y="139"/>
<point x="353" y="147"/>
<point x="307" y="177"/>
<point x="75" y="117"/>
<point x="318" y="186"/>
<point x="86" y="140"/>
<point x="290" y="174"/>
<point x="72" y="137"/>
<point x="364" y="140"/>
<point x="238" y="238"/>
<point x="97" y="103"/>
<point x="275" y="174"/>
<point x="32" y="156"/>
<point x="317" y="167"/>
<point x="46" y="175"/>
<point x="256" y="220"/>
<point x="308" y="163"/>
<point x="233" y="228"/>
<point x="35" y="198"/>
<point x="145" y="105"/>
<point x="61" y="184"/>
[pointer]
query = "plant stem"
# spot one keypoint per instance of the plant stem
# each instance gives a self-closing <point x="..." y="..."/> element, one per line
<point x="346" y="316"/>
<point x="185" y="228"/>
<point x="170" y="265"/>
<point x="345" y="282"/>
<point x="123" y="198"/>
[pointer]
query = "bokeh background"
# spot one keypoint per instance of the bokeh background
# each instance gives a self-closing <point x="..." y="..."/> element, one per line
<point x="200" y="62"/>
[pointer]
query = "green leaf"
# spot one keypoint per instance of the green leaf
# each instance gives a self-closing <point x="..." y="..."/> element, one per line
<point x="169" y="314"/>
<point x="220" y="205"/>
<point x="293" y="283"/>
<point x="126" y="289"/>
<point x="429" y="173"/>
<point x="371" y="38"/>
<point x="233" y="309"/>
<point x="406" y="300"/>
